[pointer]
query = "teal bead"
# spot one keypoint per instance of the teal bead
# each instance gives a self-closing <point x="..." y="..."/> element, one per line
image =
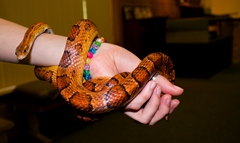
<point x="92" y="50"/>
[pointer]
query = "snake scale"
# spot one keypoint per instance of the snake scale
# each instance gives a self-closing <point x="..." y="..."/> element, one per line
<point x="99" y="95"/>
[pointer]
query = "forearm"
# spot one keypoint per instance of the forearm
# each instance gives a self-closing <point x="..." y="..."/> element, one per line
<point x="47" y="49"/>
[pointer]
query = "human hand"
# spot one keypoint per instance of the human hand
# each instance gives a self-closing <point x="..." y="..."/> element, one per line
<point x="111" y="60"/>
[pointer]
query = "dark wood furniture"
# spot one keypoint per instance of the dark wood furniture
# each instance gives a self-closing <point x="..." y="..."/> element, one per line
<point x="144" y="36"/>
<point x="199" y="47"/>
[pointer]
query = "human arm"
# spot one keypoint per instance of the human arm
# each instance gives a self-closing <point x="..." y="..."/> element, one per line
<point x="108" y="61"/>
<point x="48" y="49"/>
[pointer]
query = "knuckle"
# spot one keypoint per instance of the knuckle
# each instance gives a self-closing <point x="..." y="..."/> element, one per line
<point x="165" y="112"/>
<point x="133" y="107"/>
<point x="155" y="105"/>
<point x="145" y="97"/>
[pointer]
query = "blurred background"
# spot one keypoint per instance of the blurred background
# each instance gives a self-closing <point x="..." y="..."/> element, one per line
<point x="200" y="36"/>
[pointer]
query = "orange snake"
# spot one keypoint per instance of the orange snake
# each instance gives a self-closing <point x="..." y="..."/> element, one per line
<point x="99" y="95"/>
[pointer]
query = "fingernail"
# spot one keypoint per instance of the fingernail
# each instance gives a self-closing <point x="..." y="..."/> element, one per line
<point x="177" y="87"/>
<point x="169" y="101"/>
<point x="153" y="85"/>
<point x="175" y="106"/>
<point x="159" y="91"/>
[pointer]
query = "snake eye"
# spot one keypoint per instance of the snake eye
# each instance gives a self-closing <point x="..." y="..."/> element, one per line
<point x="25" y="51"/>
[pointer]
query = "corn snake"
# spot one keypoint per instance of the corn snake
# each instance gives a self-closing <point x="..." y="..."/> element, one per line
<point x="99" y="95"/>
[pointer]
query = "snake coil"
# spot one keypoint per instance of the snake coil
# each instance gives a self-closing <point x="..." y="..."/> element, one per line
<point x="99" y="95"/>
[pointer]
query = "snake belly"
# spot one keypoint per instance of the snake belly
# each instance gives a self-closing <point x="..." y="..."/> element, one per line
<point x="103" y="94"/>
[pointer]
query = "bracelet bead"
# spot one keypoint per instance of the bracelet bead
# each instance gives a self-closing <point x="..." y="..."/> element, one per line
<point x="87" y="77"/>
<point x="95" y="46"/>
<point x="90" y="55"/>
<point x="86" y="72"/>
<point x="92" y="50"/>
<point x="88" y="61"/>
<point x="98" y="43"/>
<point x="86" y="67"/>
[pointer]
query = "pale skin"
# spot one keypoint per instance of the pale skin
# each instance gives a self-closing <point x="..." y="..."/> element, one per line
<point x="109" y="60"/>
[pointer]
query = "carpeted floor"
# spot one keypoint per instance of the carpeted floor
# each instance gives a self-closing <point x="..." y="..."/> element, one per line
<point x="209" y="112"/>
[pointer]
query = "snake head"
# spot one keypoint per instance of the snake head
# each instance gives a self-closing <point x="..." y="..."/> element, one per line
<point x="21" y="52"/>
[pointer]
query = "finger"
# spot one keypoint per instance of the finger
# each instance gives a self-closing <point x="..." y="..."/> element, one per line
<point x="142" y="97"/>
<point x="168" y="87"/>
<point x="163" y="109"/>
<point x="152" y="106"/>
<point x="174" y="105"/>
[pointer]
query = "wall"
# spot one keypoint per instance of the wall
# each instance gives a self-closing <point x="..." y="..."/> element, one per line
<point x="60" y="15"/>
<point x="206" y="5"/>
<point x="100" y="12"/>
<point x="220" y="7"/>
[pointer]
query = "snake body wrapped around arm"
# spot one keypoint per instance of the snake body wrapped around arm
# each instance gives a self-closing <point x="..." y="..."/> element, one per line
<point x="97" y="96"/>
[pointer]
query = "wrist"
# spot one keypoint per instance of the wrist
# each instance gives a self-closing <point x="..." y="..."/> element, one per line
<point x="48" y="50"/>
